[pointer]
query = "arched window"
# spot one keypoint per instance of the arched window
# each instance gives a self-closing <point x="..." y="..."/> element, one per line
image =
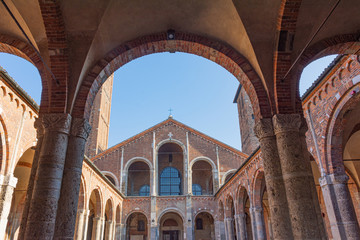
<point x="144" y="190"/>
<point x="170" y="182"/>
<point x="196" y="189"/>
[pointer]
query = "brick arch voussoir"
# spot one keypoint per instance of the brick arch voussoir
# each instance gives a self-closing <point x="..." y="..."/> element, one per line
<point x="22" y="49"/>
<point x="241" y="196"/>
<point x="258" y="187"/>
<point x="59" y="57"/>
<point x="218" y="52"/>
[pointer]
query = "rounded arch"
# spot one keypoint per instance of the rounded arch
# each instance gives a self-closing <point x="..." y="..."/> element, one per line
<point x="203" y="211"/>
<point x="229" y="206"/>
<point x="126" y="217"/>
<point x="216" y="51"/>
<point x="242" y="195"/>
<point x="112" y="176"/>
<point x="137" y="159"/>
<point x="96" y="195"/>
<point x="118" y="214"/>
<point x="227" y="174"/>
<point x="221" y="210"/>
<point x="175" y="141"/>
<point x="258" y="188"/>
<point x="4" y="154"/>
<point x="203" y="158"/>
<point x="109" y="209"/>
<point x="171" y="210"/>
<point x="82" y="193"/>
<point x="334" y="131"/>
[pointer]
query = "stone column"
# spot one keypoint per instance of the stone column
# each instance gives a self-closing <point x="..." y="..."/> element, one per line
<point x="66" y="214"/>
<point x="44" y="202"/>
<point x="154" y="232"/>
<point x="298" y="179"/>
<point x="240" y="221"/>
<point x="40" y="136"/>
<point x="97" y="228"/>
<point x="108" y="230"/>
<point x="82" y="219"/>
<point x="259" y="223"/>
<point x="117" y="234"/>
<point x="339" y="206"/>
<point x="220" y="230"/>
<point x="7" y="184"/>
<point x="229" y="228"/>
<point x="279" y="212"/>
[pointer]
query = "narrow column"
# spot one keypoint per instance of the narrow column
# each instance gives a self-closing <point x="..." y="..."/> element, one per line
<point x="339" y="206"/>
<point x="108" y="230"/>
<point x="8" y="184"/>
<point x="298" y="178"/>
<point x="40" y="136"/>
<point x="117" y="231"/>
<point x="83" y="216"/>
<point x="259" y="222"/>
<point x="66" y="214"/>
<point x="220" y="230"/>
<point x="97" y="228"/>
<point x="229" y="229"/>
<point x="279" y="212"/>
<point x="240" y="221"/>
<point x="44" y="202"/>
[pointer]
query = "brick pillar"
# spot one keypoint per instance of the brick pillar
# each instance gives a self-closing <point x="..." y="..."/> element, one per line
<point x="40" y="136"/>
<point x="81" y="224"/>
<point x="279" y="212"/>
<point x="339" y="206"/>
<point x="298" y="179"/>
<point x="66" y="214"/>
<point x="7" y="186"/>
<point x="44" y="202"/>
<point x="240" y="221"/>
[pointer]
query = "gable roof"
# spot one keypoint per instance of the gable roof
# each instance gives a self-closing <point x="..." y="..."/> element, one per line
<point x="165" y="122"/>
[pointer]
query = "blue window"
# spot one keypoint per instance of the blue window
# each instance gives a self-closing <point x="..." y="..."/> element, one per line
<point x="144" y="190"/>
<point x="170" y="182"/>
<point x="196" y="189"/>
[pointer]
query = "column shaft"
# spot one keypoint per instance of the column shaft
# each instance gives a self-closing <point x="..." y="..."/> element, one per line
<point x="6" y="195"/>
<point x="229" y="228"/>
<point x="259" y="223"/>
<point x="66" y="214"/>
<point x="298" y="179"/>
<point x="240" y="221"/>
<point x="40" y="136"/>
<point x="279" y="212"/>
<point x="47" y="186"/>
<point x="81" y="224"/>
<point x="339" y="207"/>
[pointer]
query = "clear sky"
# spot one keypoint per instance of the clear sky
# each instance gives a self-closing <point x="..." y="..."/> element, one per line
<point x="199" y="91"/>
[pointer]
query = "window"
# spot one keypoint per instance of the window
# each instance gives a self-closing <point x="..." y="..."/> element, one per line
<point x="199" y="224"/>
<point x="144" y="190"/>
<point x="196" y="189"/>
<point x="170" y="182"/>
<point x="141" y="226"/>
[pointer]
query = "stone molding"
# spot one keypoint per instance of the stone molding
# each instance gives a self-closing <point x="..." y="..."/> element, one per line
<point x="331" y="179"/>
<point x="264" y="128"/>
<point x="80" y="127"/>
<point x="56" y="122"/>
<point x="287" y="123"/>
<point x="39" y="127"/>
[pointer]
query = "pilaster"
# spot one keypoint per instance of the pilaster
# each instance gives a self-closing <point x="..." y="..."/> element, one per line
<point x="7" y="186"/>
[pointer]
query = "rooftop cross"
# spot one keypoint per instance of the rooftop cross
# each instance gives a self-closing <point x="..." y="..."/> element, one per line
<point x="170" y="115"/>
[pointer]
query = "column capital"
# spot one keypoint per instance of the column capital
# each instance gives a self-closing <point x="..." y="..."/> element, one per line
<point x="289" y="123"/>
<point x="80" y="127"/>
<point x="264" y="128"/>
<point x="56" y="122"/>
<point x="331" y="179"/>
<point x="8" y="180"/>
<point x="39" y="127"/>
<point x="256" y="209"/>
<point x="241" y="215"/>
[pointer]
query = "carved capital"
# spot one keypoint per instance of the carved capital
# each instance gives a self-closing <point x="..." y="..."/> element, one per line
<point x="287" y="123"/>
<point x="56" y="122"/>
<point x="332" y="179"/>
<point x="264" y="128"/>
<point x="80" y="127"/>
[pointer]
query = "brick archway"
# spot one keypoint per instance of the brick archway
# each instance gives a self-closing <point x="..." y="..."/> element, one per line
<point x="258" y="188"/>
<point x="215" y="51"/>
<point x="22" y="49"/>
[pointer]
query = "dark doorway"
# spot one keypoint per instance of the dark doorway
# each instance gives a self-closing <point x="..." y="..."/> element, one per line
<point x="171" y="235"/>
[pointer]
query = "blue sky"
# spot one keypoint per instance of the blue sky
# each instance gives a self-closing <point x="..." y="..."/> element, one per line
<point x="199" y="91"/>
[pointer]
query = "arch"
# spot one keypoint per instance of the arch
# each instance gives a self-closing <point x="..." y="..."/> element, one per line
<point x="202" y="177"/>
<point x="334" y="131"/>
<point x="136" y="175"/>
<point x="4" y="154"/>
<point x="113" y="176"/>
<point x="137" y="159"/>
<point x="171" y="224"/>
<point x="82" y="193"/>
<point x="172" y="140"/>
<point x="110" y="210"/>
<point x="259" y="188"/>
<point x="227" y="173"/>
<point x="118" y="214"/>
<point x="203" y="158"/>
<point x="204" y="225"/>
<point x="216" y="51"/>
<point x="137" y="223"/>
<point x="171" y="210"/>
<point x="98" y="209"/>
<point x="221" y="211"/>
